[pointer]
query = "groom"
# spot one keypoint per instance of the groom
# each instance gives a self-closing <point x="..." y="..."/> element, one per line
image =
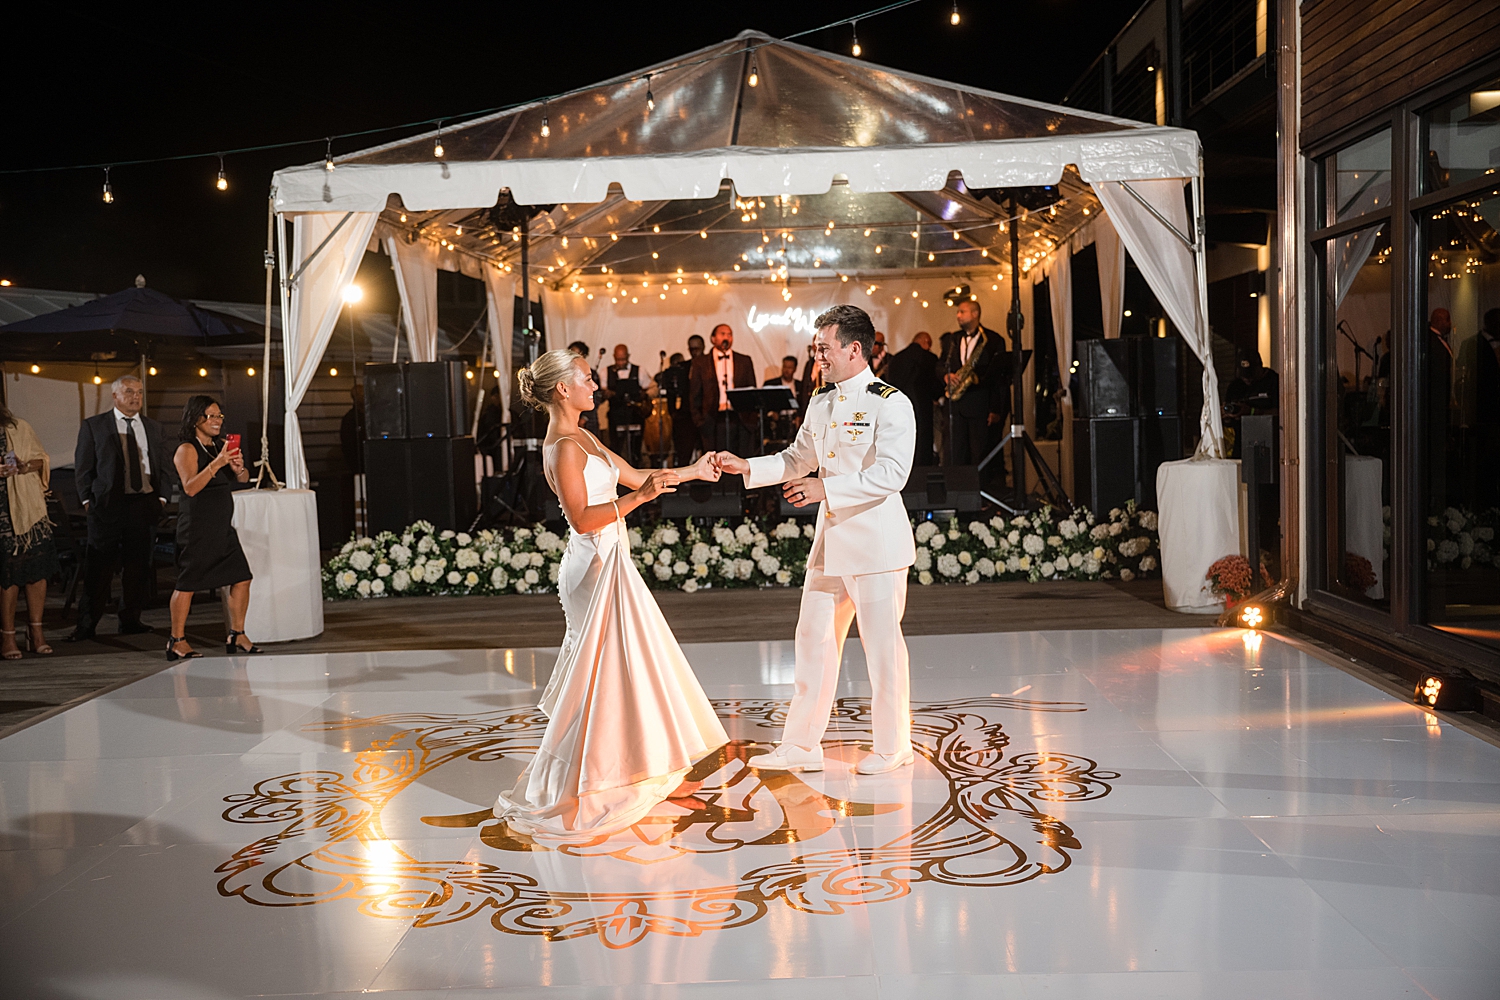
<point x="851" y="457"/>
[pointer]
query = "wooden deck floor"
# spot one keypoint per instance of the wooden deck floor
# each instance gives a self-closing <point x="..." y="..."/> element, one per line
<point x="36" y="686"/>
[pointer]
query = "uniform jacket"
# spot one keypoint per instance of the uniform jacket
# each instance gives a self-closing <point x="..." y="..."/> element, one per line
<point x="859" y="436"/>
<point x="703" y="387"/>
<point x="99" y="460"/>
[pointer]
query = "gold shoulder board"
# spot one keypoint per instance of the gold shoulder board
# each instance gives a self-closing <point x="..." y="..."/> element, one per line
<point x="882" y="390"/>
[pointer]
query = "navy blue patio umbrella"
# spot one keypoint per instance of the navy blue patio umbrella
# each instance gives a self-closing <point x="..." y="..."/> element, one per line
<point x="138" y="321"/>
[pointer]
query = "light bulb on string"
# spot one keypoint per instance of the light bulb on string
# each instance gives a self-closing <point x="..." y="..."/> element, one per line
<point x="328" y="155"/>
<point x="953" y="18"/>
<point x="546" y="126"/>
<point x="650" y="98"/>
<point x="754" y="80"/>
<point x="855" y="50"/>
<point x="437" y="143"/>
<point x="223" y="182"/>
<point x="109" y="192"/>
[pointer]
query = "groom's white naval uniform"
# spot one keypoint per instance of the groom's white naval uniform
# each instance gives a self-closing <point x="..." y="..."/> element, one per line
<point x="858" y="436"/>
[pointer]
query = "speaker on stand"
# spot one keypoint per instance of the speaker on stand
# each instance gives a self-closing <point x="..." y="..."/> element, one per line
<point x="419" y="466"/>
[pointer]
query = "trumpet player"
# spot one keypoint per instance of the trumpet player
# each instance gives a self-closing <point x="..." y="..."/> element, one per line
<point x="976" y="367"/>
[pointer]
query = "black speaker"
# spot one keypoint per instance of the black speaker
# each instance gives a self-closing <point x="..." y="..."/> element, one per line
<point x="419" y="479"/>
<point x="726" y="498"/>
<point x="1105" y="462"/>
<point x="1157" y="366"/>
<point x="1161" y="441"/>
<point x="435" y="396"/>
<point x="1104" y="378"/>
<point x="951" y="487"/>
<point x="335" y="497"/>
<point x="385" y="402"/>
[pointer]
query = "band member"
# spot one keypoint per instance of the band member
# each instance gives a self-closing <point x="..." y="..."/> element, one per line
<point x="675" y="383"/>
<point x="852" y="458"/>
<point x="625" y="387"/>
<point x="710" y="379"/>
<point x="914" y="370"/>
<point x="976" y="371"/>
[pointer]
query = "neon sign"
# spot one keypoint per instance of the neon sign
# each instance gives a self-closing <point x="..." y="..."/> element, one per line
<point x="799" y="319"/>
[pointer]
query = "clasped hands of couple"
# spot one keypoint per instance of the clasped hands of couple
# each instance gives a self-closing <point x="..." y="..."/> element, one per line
<point x="798" y="492"/>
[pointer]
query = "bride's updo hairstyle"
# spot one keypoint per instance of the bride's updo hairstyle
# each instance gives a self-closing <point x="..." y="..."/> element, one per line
<point x="539" y="380"/>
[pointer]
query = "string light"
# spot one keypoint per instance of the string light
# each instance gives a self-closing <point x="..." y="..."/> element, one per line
<point x="328" y="156"/>
<point x="333" y="372"/>
<point x="151" y="370"/>
<point x="250" y="372"/>
<point x="203" y="373"/>
<point x="546" y="126"/>
<point x="953" y="18"/>
<point x="855" y="50"/>
<point x="223" y="182"/>
<point x="437" y="143"/>
<point x="650" y="98"/>
<point x="754" y="80"/>
<point x="109" y="192"/>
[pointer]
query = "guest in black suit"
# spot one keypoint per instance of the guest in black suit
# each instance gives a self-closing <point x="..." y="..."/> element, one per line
<point x="975" y="421"/>
<point x="914" y="370"/>
<point x="1477" y="377"/>
<point x="675" y="384"/>
<point x="722" y="368"/>
<point x="123" y="470"/>
<point x="208" y="549"/>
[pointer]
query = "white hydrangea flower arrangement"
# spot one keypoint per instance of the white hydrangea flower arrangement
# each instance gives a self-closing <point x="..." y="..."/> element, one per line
<point x="687" y="556"/>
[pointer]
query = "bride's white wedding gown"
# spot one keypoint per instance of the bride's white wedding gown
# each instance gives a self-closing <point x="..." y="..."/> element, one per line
<point x="626" y="715"/>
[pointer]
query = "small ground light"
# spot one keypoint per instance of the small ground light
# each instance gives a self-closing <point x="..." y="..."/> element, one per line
<point x="1252" y="616"/>
<point x="1455" y="692"/>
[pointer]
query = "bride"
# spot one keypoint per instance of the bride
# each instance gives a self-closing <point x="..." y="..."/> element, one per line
<point x="626" y="716"/>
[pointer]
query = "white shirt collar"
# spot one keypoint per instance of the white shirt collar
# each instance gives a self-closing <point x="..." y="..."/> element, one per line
<point x="854" y="381"/>
<point x="120" y="418"/>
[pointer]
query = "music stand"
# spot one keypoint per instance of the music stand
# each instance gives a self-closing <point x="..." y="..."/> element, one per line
<point x="760" y="399"/>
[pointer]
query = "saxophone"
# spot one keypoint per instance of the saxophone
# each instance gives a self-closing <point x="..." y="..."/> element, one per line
<point x="966" y="375"/>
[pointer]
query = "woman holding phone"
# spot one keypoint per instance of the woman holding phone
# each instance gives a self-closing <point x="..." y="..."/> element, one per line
<point x="208" y="550"/>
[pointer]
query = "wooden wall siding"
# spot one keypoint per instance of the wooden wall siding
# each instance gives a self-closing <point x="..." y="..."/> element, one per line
<point x="1359" y="57"/>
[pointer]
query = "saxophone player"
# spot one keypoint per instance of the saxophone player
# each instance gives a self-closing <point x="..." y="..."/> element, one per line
<point x="976" y="366"/>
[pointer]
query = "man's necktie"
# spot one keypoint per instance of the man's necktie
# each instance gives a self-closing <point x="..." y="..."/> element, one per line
<point x="133" y="456"/>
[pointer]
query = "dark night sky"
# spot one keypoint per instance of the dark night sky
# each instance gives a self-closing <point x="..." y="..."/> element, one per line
<point x="129" y="82"/>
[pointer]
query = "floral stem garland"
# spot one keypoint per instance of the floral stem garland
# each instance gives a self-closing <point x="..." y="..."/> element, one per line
<point x="683" y="555"/>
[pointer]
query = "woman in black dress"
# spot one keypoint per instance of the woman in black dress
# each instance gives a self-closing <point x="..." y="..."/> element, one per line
<point x="208" y="550"/>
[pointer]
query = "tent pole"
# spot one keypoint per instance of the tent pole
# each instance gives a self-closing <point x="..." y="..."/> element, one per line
<point x="264" y="465"/>
<point x="1200" y="253"/>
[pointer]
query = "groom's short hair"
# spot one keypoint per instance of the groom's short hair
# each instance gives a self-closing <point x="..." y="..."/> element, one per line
<point x="853" y="324"/>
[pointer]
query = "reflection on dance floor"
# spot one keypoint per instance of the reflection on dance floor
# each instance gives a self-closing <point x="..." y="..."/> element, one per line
<point x="733" y="842"/>
<point x="1139" y="813"/>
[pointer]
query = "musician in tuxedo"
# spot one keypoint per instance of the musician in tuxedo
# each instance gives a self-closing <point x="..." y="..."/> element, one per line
<point x="710" y="378"/>
<point x="625" y="387"/>
<point x="914" y="370"/>
<point x="976" y="419"/>
<point x="123" y="470"/>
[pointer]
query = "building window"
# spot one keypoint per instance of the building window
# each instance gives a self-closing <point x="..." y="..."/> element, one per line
<point x="1459" y="435"/>
<point x="1461" y="138"/>
<point x="1358" y="179"/>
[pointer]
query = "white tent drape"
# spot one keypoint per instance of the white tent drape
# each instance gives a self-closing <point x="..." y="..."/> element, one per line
<point x="325" y="254"/>
<point x="416" y="267"/>
<point x="1157" y="232"/>
<point x="500" y="301"/>
<point x="1349" y="255"/>
<point x="1111" y="255"/>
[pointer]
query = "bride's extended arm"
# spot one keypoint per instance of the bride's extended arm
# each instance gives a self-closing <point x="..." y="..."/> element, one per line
<point x="573" y="491"/>
<point x="633" y="477"/>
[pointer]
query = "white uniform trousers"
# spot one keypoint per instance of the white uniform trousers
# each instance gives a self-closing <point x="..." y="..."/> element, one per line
<point x="829" y="603"/>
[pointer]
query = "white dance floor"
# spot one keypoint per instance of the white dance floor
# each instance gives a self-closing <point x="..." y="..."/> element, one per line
<point x="1092" y="814"/>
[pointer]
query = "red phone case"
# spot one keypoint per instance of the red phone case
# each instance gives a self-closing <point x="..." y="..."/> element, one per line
<point x="233" y="440"/>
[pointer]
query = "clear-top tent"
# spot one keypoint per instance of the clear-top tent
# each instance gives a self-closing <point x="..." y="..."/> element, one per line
<point x="754" y="164"/>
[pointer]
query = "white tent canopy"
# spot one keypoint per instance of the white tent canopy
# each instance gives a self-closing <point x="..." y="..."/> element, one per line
<point x="824" y="173"/>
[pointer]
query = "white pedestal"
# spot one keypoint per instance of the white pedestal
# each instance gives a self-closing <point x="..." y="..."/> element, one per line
<point x="278" y="530"/>
<point x="1199" y="522"/>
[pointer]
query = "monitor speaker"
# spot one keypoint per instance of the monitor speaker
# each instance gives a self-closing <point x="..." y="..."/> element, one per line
<point x="726" y="498"/>
<point x="419" y="479"/>
<point x="1104" y="375"/>
<point x="435" y="396"/>
<point x="1157" y="371"/>
<point x="385" y="402"/>
<point x="951" y="487"/>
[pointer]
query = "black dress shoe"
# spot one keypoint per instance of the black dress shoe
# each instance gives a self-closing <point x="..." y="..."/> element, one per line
<point x="135" y="628"/>
<point x="81" y="634"/>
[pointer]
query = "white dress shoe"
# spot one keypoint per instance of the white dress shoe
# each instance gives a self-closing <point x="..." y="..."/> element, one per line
<point x="880" y="763"/>
<point x="789" y="757"/>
